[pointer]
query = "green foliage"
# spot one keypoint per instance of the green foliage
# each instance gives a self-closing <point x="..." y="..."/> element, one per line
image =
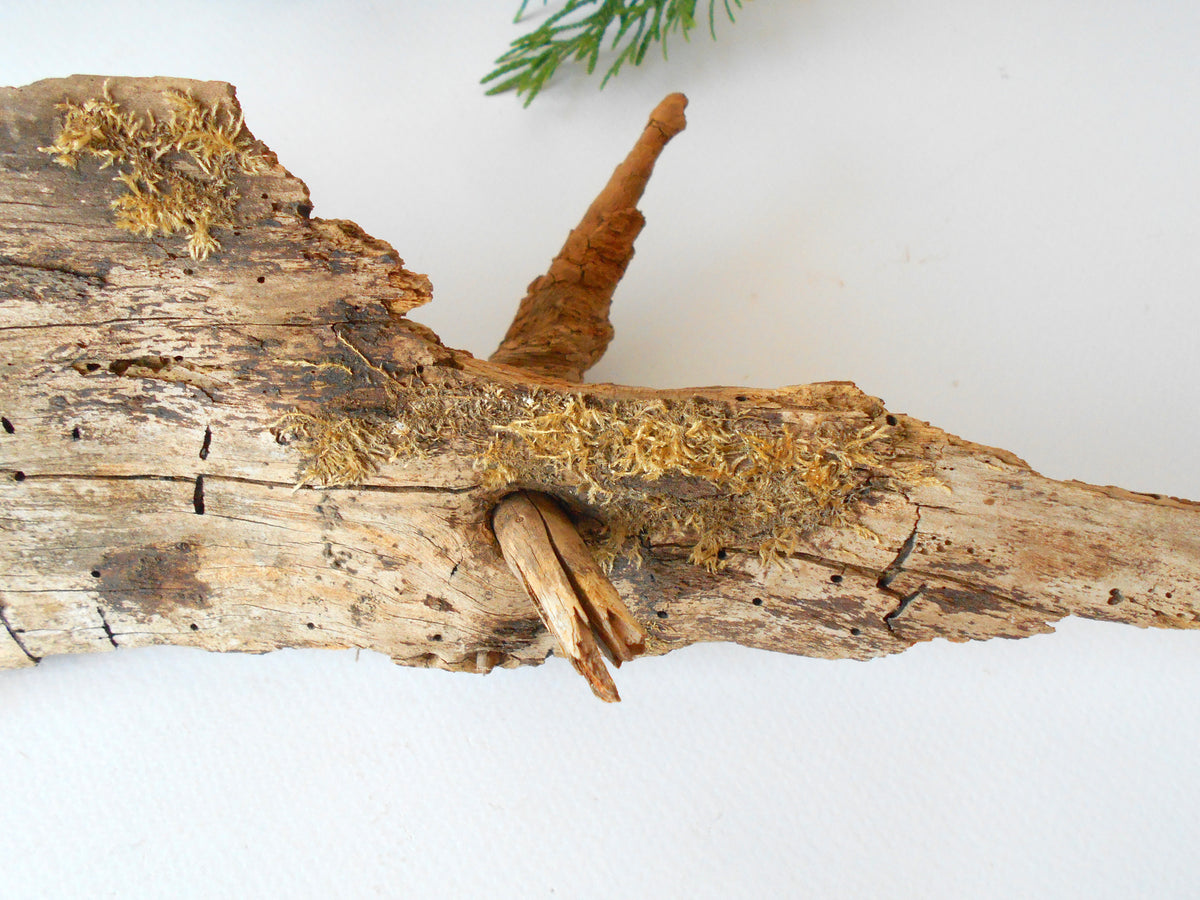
<point x="577" y="33"/>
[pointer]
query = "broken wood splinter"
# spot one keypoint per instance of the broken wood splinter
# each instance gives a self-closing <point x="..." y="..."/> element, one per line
<point x="573" y="597"/>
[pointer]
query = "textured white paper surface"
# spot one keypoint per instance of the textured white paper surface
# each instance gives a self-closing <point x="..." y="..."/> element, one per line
<point x="986" y="213"/>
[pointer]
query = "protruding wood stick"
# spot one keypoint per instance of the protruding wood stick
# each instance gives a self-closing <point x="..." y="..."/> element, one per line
<point x="619" y="632"/>
<point x="561" y="328"/>
<point x="574" y="598"/>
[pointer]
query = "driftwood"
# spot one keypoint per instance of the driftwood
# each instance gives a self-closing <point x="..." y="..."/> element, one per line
<point x="165" y="392"/>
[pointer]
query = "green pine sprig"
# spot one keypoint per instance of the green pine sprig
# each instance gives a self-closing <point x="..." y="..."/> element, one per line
<point x="577" y="33"/>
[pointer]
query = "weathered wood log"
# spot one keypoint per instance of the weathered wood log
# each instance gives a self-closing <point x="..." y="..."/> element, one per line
<point x="159" y="410"/>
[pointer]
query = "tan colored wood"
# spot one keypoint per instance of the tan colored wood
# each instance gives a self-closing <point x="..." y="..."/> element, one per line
<point x="619" y="633"/>
<point x="562" y="326"/>
<point x="530" y="551"/>
<point x="147" y="489"/>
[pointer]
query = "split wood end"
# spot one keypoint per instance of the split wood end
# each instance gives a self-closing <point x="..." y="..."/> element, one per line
<point x="574" y="598"/>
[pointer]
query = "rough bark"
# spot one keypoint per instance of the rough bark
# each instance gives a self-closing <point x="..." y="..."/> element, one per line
<point x="147" y="491"/>
<point x="562" y="327"/>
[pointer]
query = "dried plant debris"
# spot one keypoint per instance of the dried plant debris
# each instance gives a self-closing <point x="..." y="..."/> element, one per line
<point x="696" y="470"/>
<point x="342" y="450"/>
<point x="178" y="173"/>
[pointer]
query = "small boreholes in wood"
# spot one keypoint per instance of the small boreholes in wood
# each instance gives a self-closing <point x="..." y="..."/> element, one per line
<point x="18" y="476"/>
<point x="311" y="626"/>
<point x="836" y="579"/>
<point x="722" y="553"/>
<point x="265" y="197"/>
<point x="855" y="631"/>
<point x="8" y="426"/>
<point x="1115" y="597"/>
<point x="741" y="398"/>
<point x="95" y="573"/>
<point x="757" y="601"/>
<point x="435" y="637"/>
<point x="261" y="279"/>
<point x="198" y="496"/>
<point x="1169" y="594"/>
<point x="891" y="420"/>
<point x="662" y="613"/>
<point x="76" y="434"/>
<point x="206" y="443"/>
<point x="194" y="627"/>
<point x="188" y="272"/>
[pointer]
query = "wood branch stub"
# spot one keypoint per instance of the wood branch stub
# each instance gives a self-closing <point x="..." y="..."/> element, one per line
<point x="562" y="325"/>
<point x="620" y="634"/>
<point x="573" y="597"/>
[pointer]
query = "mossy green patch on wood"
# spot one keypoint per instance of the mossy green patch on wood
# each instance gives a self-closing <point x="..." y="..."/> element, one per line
<point x="178" y="173"/>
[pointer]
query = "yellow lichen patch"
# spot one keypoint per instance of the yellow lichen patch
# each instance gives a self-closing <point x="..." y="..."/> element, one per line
<point x="696" y="471"/>
<point x="178" y="173"/>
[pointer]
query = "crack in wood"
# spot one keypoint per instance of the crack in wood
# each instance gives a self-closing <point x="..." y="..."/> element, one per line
<point x="112" y="638"/>
<point x="16" y="636"/>
<point x="96" y="281"/>
<point x="901" y="607"/>
<point x="237" y="479"/>
<point x="888" y="575"/>
<point x="185" y="322"/>
<point x="134" y="320"/>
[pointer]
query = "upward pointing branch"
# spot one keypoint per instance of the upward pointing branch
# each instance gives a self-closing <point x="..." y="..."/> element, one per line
<point x="561" y="328"/>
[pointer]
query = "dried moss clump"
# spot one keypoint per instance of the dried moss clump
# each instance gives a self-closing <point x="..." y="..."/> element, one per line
<point x="340" y="451"/>
<point x="694" y="471"/>
<point x="178" y="173"/>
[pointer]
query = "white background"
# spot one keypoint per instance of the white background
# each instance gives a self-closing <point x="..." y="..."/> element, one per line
<point x="986" y="213"/>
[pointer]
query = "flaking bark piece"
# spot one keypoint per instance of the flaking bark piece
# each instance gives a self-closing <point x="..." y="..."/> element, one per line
<point x="572" y="595"/>
<point x="562" y="328"/>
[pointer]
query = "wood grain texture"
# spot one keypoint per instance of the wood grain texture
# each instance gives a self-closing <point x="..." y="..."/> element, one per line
<point x="147" y="495"/>
<point x="529" y="546"/>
